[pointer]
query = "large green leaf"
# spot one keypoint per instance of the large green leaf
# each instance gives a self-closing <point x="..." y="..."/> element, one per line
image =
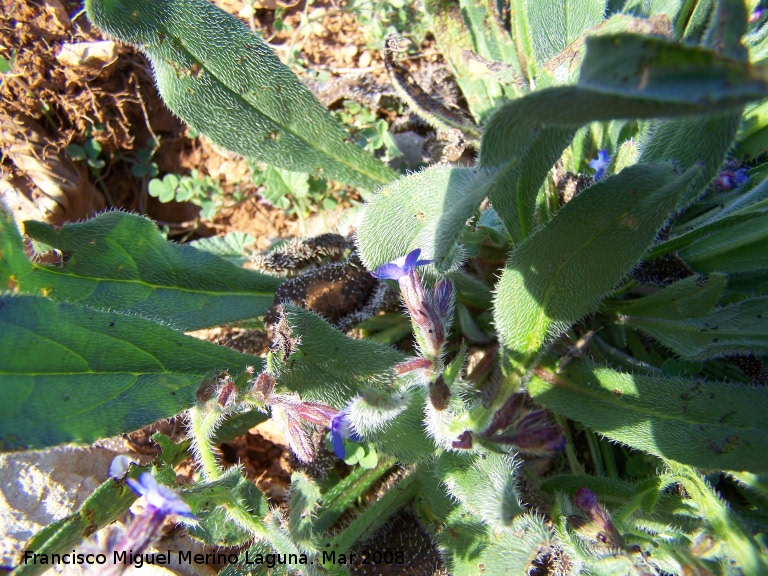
<point x="560" y="273"/>
<point x="426" y="210"/>
<point x="739" y="328"/>
<point x="224" y="81"/>
<point x="688" y="298"/>
<point x="71" y="374"/>
<point x="626" y="76"/>
<point x="622" y="76"/>
<point x="120" y="262"/>
<point x="704" y="142"/>
<point x="740" y="248"/>
<point x="697" y="422"/>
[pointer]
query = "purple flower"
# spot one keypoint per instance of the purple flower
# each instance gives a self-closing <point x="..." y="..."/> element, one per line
<point x="730" y="178"/>
<point x="162" y="500"/>
<point x="600" y="164"/>
<point x="401" y="267"/>
<point x="341" y="429"/>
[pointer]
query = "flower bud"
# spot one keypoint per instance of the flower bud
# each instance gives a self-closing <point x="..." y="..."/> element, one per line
<point x="227" y="395"/>
<point x="464" y="441"/>
<point x="439" y="393"/>
<point x="585" y="499"/>
<point x="263" y="387"/>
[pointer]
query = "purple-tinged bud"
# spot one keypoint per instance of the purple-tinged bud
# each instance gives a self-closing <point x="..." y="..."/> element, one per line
<point x="585" y="500"/>
<point x="507" y="414"/>
<point x="422" y="313"/>
<point x="536" y="441"/>
<point x="284" y="415"/>
<point x="534" y="419"/>
<point x="442" y="299"/>
<point x="227" y="395"/>
<point x="600" y="527"/>
<point x="415" y="298"/>
<point x="463" y="442"/>
<point x="263" y="387"/>
<point x="731" y="177"/>
<point x="316" y="413"/>
<point x="413" y="365"/>
<point x="439" y="394"/>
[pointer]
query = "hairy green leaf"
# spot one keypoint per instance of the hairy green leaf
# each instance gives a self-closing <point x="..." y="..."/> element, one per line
<point x="554" y="25"/>
<point x="70" y="374"/>
<point x="120" y="262"/>
<point x="426" y="210"/>
<point x="622" y="76"/>
<point x="330" y="367"/>
<point x="485" y="485"/>
<point x="470" y="548"/>
<point x="740" y="248"/>
<point x="697" y="422"/>
<point x="225" y="82"/>
<point x="217" y="502"/>
<point x="305" y="495"/>
<point x="747" y="554"/>
<point x="688" y="298"/>
<point x="739" y="328"/>
<point x="560" y="273"/>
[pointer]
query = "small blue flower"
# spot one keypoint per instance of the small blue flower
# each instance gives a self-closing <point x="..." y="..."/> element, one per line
<point x="341" y="429"/>
<point x="400" y="267"/>
<point x="600" y="164"/>
<point x="741" y="177"/>
<point x="162" y="500"/>
<point x="731" y="178"/>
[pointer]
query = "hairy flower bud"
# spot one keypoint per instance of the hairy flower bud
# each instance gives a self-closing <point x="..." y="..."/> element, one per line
<point x="263" y="387"/>
<point x="439" y="393"/>
<point x="227" y="395"/>
<point x="464" y="441"/>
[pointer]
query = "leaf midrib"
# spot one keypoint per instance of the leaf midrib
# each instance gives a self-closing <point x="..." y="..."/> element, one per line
<point x="152" y="286"/>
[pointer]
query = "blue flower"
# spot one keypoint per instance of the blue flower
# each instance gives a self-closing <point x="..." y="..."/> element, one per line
<point x="730" y="178"/>
<point x="162" y="500"/>
<point x="341" y="429"/>
<point x="400" y="267"/>
<point x="600" y="164"/>
<point x="741" y="177"/>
